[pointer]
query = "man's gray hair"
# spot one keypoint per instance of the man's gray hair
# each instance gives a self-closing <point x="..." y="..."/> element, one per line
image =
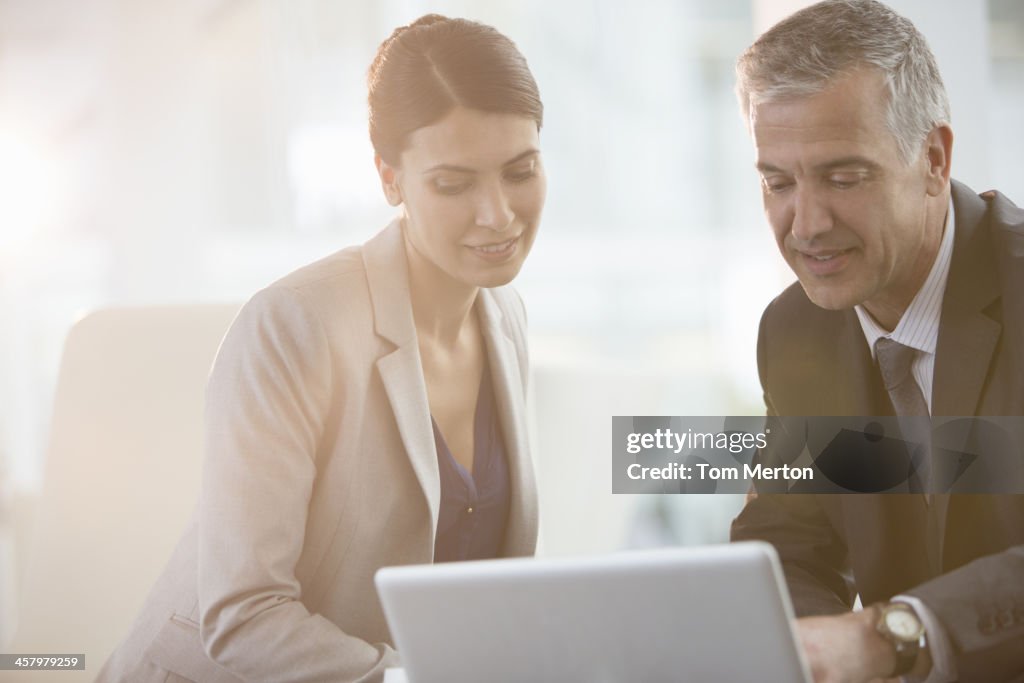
<point x="804" y="53"/>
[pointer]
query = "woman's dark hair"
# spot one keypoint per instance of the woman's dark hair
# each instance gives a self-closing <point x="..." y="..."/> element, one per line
<point x="426" y="69"/>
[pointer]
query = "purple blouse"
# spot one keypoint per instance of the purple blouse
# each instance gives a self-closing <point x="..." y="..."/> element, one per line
<point x="474" y="506"/>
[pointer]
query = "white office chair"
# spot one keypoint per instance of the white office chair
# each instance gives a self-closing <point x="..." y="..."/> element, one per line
<point x="121" y="480"/>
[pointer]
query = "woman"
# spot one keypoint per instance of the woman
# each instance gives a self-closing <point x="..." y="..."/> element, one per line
<point x="367" y="410"/>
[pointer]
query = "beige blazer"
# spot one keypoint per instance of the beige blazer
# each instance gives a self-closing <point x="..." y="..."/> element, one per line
<point x="320" y="468"/>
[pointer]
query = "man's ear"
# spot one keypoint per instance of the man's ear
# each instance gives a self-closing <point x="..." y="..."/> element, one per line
<point x="388" y="180"/>
<point x="939" y="156"/>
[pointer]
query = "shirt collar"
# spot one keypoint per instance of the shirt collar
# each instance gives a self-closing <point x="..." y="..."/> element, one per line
<point x="918" y="328"/>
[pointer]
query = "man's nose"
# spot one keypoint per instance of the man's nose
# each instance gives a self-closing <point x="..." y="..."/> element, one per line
<point x="811" y="214"/>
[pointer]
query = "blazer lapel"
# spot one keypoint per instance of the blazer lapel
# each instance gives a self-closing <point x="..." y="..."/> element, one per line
<point x="900" y="517"/>
<point x="856" y="371"/>
<point x="967" y="337"/>
<point x="401" y="371"/>
<point x="520" y="536"/>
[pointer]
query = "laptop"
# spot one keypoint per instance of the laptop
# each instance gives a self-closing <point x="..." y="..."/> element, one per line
<point x="712" y="613"/>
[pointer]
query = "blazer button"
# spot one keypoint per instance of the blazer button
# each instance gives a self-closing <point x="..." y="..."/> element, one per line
<point x="987" y="625"/>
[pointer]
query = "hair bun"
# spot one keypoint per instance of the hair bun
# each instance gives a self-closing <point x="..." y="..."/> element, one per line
<point x="426" y="68"/>
<point x="425" y="20"/>
<point x="429" y="19"/>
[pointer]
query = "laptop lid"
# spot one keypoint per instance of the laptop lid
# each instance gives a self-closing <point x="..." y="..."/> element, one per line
<point x="717" y="613"/>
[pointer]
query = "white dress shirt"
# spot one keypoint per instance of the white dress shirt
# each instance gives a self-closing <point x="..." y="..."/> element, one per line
<point x="918" y="328"/>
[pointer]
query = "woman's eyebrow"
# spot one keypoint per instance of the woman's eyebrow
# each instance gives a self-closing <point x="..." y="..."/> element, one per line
<point x="522" y="155"/>
<point x="465" y="169"/>
<point x="449" y="167"/>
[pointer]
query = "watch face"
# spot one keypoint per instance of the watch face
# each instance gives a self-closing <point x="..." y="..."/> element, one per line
<point x="903" y="624"/>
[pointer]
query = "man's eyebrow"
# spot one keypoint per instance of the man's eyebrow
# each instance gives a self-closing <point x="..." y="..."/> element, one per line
<point x="853" y="160"/>
<point x="465" y="169"/>
<point x="768" y="168"/>
<point x="829" y="165"/>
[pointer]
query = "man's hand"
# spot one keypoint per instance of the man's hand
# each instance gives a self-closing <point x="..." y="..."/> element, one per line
<point x="848" y="649"/>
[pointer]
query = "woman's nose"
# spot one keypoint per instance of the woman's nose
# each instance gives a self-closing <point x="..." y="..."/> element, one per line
<point x="493" y="210"/>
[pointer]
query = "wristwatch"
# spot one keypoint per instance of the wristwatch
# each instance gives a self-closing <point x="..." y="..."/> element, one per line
<point x="899" y="624"/>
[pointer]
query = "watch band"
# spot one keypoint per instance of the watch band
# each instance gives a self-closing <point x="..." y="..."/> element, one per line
<point x="906" y="657"/>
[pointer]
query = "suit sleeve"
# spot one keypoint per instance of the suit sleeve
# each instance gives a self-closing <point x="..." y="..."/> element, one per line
<point x="267" y="402"/>
<point x="981" y="607"/>
<point x="813" y="555"/>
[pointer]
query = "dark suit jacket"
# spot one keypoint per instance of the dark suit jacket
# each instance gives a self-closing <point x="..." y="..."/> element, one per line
<point x="816" y="362"/>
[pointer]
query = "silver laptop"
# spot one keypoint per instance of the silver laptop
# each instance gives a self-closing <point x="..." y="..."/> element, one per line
<point x="713" y="613"/>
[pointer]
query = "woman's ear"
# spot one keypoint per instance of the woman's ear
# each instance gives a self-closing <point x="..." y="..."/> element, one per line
<point x="388" y="180"/>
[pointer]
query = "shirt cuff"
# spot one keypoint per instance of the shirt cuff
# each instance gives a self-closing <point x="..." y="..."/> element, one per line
<point x="943" y="665"/>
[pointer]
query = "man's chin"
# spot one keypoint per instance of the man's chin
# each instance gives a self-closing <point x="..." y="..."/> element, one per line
<point x="829" y="298"/>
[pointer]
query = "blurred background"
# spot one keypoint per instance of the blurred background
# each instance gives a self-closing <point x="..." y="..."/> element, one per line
<point x="193" y="151"/>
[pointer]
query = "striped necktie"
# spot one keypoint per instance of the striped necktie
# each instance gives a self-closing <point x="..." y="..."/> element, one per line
<point x="894" y="360"/>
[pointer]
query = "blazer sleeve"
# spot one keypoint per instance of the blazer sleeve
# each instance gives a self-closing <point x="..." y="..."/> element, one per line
<point x="981" y="607"/>
<point x="813" y="557"/>
<point x="812" y="554"/>
<point x="267" y="402"/>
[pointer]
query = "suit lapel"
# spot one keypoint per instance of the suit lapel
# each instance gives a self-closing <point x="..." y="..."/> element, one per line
<point x="967" y="337"/>
<point x="856" y="370"/>
<point x="899" y="517"/>
<point x="401" y="370"/>
<point x="963" y="355"/>
<point x="508" y="395"/>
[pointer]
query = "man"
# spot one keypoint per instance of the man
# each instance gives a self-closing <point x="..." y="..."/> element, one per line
<point x="902" y="273"/>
